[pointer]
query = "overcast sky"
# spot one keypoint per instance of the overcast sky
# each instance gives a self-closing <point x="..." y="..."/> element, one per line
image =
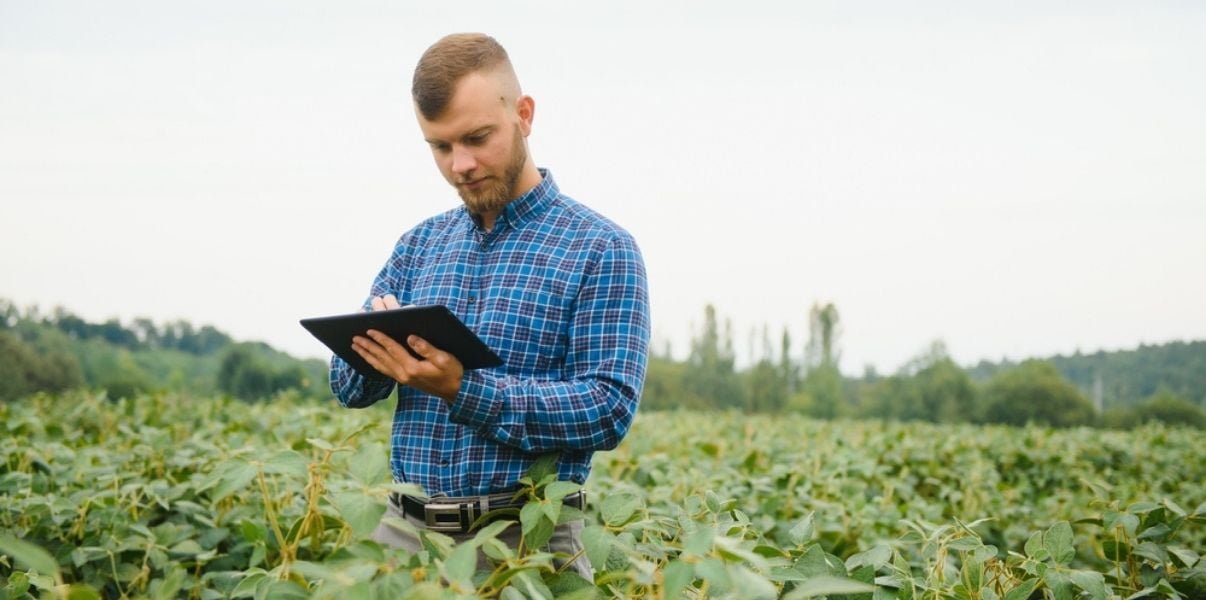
<point x="1019" y="179"/>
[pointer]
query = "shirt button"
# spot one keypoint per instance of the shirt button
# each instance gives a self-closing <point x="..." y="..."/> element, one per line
<point x="443" y="462"/>
<point x="472" y="299"/>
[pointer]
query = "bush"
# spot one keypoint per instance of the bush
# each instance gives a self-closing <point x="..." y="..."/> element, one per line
<point x="1035" y="392"/>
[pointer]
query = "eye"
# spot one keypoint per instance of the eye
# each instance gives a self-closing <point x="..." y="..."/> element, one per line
<point x="440" y="147"/>
<point x="477" y="140"/>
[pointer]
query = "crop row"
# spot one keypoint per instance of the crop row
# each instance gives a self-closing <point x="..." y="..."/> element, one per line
<point x="176" y="496"/>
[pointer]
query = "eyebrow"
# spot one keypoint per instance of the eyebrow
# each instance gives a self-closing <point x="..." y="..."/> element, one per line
<point x="484" y="129"/>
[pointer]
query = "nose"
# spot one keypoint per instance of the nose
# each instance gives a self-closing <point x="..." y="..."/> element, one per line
<point x="463" y="162"/>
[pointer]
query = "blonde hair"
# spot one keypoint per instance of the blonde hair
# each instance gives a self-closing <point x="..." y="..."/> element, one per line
<point x="446" y="62"/>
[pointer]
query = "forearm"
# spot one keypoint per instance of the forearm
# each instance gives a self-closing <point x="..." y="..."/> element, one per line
<point x="591" y="413"/>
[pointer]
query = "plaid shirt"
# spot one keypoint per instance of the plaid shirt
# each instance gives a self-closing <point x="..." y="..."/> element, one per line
<point x="559" y="292"/>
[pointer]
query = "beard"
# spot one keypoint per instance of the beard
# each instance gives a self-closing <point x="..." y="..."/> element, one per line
<point x="497" y="192"/>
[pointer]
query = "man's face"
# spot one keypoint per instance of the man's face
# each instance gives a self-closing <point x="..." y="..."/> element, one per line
<point x="478" y="143"/>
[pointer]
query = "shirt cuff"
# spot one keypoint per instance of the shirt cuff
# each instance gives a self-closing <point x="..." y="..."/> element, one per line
<point x="479" y="400"/>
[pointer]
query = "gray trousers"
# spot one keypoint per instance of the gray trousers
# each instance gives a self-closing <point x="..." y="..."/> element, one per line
<point x="567" y="539"/>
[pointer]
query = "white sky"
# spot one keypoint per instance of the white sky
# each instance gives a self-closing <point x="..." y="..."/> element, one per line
<point x="1018" y="179"/>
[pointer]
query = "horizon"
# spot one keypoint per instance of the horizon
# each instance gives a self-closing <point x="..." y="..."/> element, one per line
<point x="743" y="362"/>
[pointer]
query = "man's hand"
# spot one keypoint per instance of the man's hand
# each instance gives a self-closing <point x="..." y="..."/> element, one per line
<point x="437" y="372"/>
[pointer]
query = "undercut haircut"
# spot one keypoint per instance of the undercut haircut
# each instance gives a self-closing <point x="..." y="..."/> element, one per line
<point x="446" y="62"/>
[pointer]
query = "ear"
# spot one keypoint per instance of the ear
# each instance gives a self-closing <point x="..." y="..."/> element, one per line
<point x="525" y="108"/>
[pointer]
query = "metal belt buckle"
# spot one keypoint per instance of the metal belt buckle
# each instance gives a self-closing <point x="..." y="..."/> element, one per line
<point x="432" y="513"/>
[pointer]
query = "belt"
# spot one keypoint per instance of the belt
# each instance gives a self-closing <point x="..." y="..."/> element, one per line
<point x="456" y="515"/>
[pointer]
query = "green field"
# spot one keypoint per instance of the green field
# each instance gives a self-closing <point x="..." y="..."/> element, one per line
<point x="176" y="496"/>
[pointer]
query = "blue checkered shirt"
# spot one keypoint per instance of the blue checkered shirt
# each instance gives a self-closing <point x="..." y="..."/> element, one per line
<point x="560" y="293"/>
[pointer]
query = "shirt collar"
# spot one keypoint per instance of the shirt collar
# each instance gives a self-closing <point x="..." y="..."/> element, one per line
<point x="530" y="204"/>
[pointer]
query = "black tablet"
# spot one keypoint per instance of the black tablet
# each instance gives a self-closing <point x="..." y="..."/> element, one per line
<point x="436" y="324"/>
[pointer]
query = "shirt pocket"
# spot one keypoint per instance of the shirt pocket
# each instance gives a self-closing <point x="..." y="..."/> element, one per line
<point x="533" y="326"/>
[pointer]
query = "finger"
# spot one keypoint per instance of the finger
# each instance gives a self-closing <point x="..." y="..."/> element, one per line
<point x="420" y="346"/>
<point x="392" y="348"/>
<point x="433" y="356"/>
<point x="378" y="303"/>
<point x="390" y="301"/>
<point x="369" y="353"/>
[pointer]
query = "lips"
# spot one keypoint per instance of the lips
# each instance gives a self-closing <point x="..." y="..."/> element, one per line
<point x="474" y="184"/>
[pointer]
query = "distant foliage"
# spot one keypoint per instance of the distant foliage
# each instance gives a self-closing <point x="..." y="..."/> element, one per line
<point x="1127" y="377"/>
<point x="244" y="374"/>
<point x="26" y="369"/>
<point x="60" y="351"/>
<point x="930" y="387"/>
<point x="1035" y="392"/>
<point x="1163" y="407"/>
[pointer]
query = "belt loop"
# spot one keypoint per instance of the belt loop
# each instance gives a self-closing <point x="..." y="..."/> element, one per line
<point x="484" y="501"/>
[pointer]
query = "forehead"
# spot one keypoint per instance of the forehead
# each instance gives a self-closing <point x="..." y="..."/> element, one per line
<point x="478" y="100"/>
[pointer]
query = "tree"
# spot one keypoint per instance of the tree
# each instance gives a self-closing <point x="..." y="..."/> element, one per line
<point x="710" y="370"/>
<point x="45" y="365"/>
<point x="1035" y="392"/>
<point x="821" y="393"/>
<point x="1163" y="407"/>
<point x="245" y="375"/>
<point x="823" y="335"/>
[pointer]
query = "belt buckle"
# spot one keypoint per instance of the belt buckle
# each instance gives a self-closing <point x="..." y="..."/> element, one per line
<point x="433" y="511"/>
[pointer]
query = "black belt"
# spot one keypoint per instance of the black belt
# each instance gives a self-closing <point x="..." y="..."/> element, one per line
<point x="454" y="515"/>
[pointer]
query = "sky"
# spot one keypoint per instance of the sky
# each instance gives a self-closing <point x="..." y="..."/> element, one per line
<point x="1015" y="179"/>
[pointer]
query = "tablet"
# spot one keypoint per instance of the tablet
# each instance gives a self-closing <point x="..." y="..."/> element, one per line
<point x="436" y="324"/>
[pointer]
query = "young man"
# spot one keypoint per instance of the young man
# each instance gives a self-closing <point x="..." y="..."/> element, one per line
<point x="558" y="291"/>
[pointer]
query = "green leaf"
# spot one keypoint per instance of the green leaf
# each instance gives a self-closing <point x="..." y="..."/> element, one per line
<point x="362" y="513"/>
<point x="699" y="541"/>
<point x="189" y="547"/>
<point x="752" y="585"/>
<point x="1058" y="542"/>
<point x="459" y="565"/>
<point x="236" y="474"/>
<point x="285" y="590"/>
<point x="30" y="555"/>
<point x="1023" y="591"/>
<point x="569" y="584"/>
<point x="168" y="587"/>
<point x="1034" y="545"/>
<point x="802" y="531"/>
<point x="537" y="527"/>
<point x="1152" y="552"/>
<point x="875" y="558"/>
<point x="290" y="463"/>
<point x="247" y="586"/>
<point x="491" y="531"/>
<point x="83" y="591"/>
<point x="370" y="465"/>
<point x="1059" y="584"/>
<point x="617" y="509"/>
<point x="321" y="444"/>
<point x="544" y="466"/>
<point x="558" y="490"/>
<point x="824" y="585"/>
<point x="1091" y="582"/>
<point x="675" y="578"/>
<point x="1188" y="558"/>
<point x="815" y="562"/>
<point x="597" y="542"/>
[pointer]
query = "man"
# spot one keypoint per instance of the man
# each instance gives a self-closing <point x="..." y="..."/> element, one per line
<point x="558" y="291"/>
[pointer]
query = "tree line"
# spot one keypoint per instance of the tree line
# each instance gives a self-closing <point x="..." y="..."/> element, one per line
<point x="1161" y="383"/>
<point x="58" y="351"/>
